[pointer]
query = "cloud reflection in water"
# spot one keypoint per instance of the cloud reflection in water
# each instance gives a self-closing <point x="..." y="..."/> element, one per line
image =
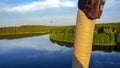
<point x="34" y="52"/>
<point x="100" y="59"/>
<point x="37" y="43"/>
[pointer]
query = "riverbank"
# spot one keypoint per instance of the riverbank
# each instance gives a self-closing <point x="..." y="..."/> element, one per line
<point x="104" y="34"/>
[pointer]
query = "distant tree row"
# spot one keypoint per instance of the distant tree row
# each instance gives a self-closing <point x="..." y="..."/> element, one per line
<point x="108" y="28"/>
<point x="25" y="29"/>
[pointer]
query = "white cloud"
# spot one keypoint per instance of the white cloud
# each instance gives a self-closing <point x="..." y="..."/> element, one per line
<point x="40" y="5"/>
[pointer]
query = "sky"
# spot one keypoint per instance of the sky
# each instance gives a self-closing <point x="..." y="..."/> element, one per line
<point x="42" y="12"/>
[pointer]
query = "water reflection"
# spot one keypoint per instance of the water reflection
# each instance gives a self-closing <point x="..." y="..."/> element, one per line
<point x="18" y="36"/>
<point x="109" y="49"/>
<point x="104" y="48"/>
<point x="100" y="59"/>
<point x="38" y="43"/>
<point x="35" y="52"/>
<point x="102" y="56"/>
<point x="27" y="58"/>
<point x="42" y="52"/>
<point x="61" y="43"/>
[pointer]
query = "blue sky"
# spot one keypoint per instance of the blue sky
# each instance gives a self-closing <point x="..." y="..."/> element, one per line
<point x="41" y="12"/>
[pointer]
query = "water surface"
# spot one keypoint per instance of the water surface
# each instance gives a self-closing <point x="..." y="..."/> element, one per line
<point x="41" y="52"/>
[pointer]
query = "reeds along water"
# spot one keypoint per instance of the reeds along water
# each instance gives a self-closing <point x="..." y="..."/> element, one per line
<point x="83" y="41"/>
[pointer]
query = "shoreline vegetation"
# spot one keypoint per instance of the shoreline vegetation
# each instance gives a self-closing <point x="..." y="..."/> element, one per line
<point x="104" y="34"/>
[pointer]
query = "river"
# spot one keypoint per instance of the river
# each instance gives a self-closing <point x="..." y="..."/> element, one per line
<point x="41" y="52"/>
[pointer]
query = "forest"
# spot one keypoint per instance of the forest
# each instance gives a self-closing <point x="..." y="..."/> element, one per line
<point x="104" y="34"/>
<point x="23" y="31"/>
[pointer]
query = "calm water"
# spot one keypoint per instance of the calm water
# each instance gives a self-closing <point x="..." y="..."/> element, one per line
<point x="40" y="52"/>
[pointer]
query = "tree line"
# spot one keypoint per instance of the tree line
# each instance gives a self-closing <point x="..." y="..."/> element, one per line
<point x="104" y="34"/>
<point x="25" y="29"/>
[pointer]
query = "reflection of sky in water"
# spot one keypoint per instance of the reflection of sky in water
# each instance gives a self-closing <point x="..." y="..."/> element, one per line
<point x="27" y="58"/>
<point x="37" y="43"/>
<point x="40" y="52"/>
<point x="34" y="52"/>
<point x="101" y="59"/>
